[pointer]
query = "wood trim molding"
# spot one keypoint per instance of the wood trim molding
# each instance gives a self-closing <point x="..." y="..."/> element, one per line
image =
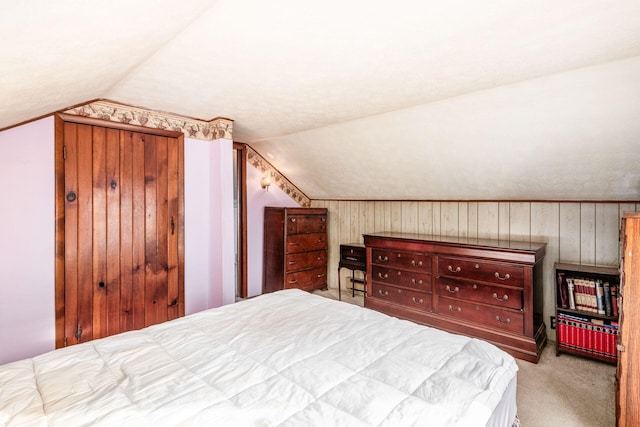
<point x="218" y="128"/>
<point x="277" y="178"/>
<point x="242" y="195"/>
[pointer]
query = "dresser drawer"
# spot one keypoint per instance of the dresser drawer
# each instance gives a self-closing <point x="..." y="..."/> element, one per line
<point x="403" y="297"/>
<point x="486" y="271"/>
<point x="353" y="255"/>
<point x="494" y="317"/>
<point x="306" y="242"/>
<point x="501" y="297"/>
<point x="410" y="279"/>
<point x="307" y="278"/>
<point x="300" y="260"/>
<point x="306" y="223"/>
<point x="403" y="260"/>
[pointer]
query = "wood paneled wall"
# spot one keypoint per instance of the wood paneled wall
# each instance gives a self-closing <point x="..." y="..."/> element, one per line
<point x="575" y="232"/>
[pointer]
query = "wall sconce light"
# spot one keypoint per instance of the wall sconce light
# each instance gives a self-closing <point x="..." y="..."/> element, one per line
<point x="265" y="182"/>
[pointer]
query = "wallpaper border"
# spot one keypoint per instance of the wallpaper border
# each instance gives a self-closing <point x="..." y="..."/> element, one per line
<point x="218" y="128"/>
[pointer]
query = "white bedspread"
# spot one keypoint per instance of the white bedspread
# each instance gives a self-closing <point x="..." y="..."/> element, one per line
<point x="287" y="359"/>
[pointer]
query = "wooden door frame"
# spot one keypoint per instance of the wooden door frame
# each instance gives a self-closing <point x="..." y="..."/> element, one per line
<point x="60" y="119"/>
<point x="242" y="197"/>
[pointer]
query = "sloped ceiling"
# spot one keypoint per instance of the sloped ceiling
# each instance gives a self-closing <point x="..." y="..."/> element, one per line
<point x="456" y="100"/>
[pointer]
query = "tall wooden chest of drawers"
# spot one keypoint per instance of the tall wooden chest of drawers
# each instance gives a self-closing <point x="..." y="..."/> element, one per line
<point x="295" y="248"/>
<point x="483" y="288"/>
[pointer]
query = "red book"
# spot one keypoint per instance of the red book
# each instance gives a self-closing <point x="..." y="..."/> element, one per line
<point x="614" y="299"/>
<point x="599" y="340"/>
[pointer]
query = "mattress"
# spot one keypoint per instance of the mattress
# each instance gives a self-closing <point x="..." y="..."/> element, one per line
<point x="288" y="358"/>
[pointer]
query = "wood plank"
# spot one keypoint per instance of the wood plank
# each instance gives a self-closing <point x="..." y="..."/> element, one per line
<point x="587" y="234"/>
<point x="463" y="219"/>
<point x="369" y="218"/>
<point x="425" y="218"/>
<point x="85" y="232"/>
<point x="437" y="218"/>
<point x="520" y="221"/>
<point x="151" y="238"/>
<point x="138" y="236"/>
<point x="59" y="231"/>
<point x="488" y="224"/>
<point x="163" y="230"/>
<point x="607" y="232"/>
<point x="113" y="230"/>
<point x="409" y="217"/>
<point x="354" y="221"/>
<point x="396" y="216"/>
<point x="181" y="223"/>
<point x="126" y="231"/>
<point x="504" y="216"/>
<point x="173" y="288"/>
<point x="472" y="219"/>
<point x="449" y="219"/>
<point x="71" y="233"/>
<point x="569" y="251"/>
<point x="100" y="309"/>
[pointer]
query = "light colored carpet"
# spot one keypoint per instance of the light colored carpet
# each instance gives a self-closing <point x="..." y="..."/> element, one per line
<point x="565" y="391"/>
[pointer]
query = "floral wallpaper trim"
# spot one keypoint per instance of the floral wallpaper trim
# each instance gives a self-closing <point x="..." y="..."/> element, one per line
<point x="219" y="128"/>
<point x="257" y="161"/>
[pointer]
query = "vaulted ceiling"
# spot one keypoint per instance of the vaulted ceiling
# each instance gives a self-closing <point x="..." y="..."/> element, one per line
<point x="405" y="99"/>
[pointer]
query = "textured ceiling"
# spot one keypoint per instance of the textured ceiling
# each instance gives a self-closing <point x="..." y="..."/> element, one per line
<point x="361" y="100"/>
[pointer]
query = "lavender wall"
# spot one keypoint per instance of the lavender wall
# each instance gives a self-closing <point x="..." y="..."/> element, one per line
<point x="27" y="312"/>
<point x="257" y="199"/>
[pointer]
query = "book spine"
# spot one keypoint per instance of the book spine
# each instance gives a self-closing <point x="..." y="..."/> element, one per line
<point x="599" y="297"/>
<point x="614" y="300"/>
<point x="572" y="298"/>
<point x="562" y="290"/>
<point x="608" y="308"/>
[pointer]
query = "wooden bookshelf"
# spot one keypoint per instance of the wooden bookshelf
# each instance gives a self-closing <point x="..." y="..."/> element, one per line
<point x="588" y="325"/>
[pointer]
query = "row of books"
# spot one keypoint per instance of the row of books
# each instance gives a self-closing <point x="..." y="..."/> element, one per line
<point x="586" y="294"/>
<point x="583" y="335"/>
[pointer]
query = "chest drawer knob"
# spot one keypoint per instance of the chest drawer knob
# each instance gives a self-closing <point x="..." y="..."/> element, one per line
<point x="504" y="297"/>
<point x="453" y="291"/>
<point x="507" y="320"/>
<point x="416" y="264"/>
<point x="383" y="276"/>
<point x="475" y="286"/>
<point x="417" y="301"/>
<point x="506" y="276"/>
<point x="383" y="258"/>
<point x="383" y="293"/>
<point x="416" y="282"/>
<point x="455" y="309"/>
<point x="457" y="269"/>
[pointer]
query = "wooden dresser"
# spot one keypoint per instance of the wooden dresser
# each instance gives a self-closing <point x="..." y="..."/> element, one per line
<point x="628" y="372"/>
<point x="483" y="288"/>
<point x="295" y="248"/>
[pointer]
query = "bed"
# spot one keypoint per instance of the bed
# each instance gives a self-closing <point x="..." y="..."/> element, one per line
<point x="288" y="358"/>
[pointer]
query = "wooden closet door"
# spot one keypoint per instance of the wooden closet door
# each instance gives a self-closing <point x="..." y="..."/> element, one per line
<point x="122" y="228"/>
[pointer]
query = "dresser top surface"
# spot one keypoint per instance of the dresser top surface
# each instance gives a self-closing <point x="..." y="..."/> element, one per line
<point x="511" y="245"/>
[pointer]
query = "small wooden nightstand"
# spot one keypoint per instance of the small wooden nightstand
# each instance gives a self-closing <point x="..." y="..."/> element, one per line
<point x="354" y="257"/>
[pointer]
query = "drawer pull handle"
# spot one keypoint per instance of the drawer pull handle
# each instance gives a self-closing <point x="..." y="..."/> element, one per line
<point x="383" y="259"/>
<point x="350" y="258"/>
<point x="322" y="219"/>
<point x="320" y="275"/>
<point x="416" y="264"/>
<point x="293" y="243"/>
<point x="320" y="258"/>
<point x="293" y="220"/>
<point x="506" y="276"/>
<point x="383" y="293"/>
<point x="453" y="291"/>
<point x="457" y="270"/>
<point x="293" y="282"/>
<point x="504" y="297"/>
<point x="507" y="320"/>
<point x="455" y="310"/>
<point x="383" y="276"/>
<point x="292" y="262"/>
<point x="416" y="282"/>
<point x="319" y="241"/>
<point x="417" y="301"/>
